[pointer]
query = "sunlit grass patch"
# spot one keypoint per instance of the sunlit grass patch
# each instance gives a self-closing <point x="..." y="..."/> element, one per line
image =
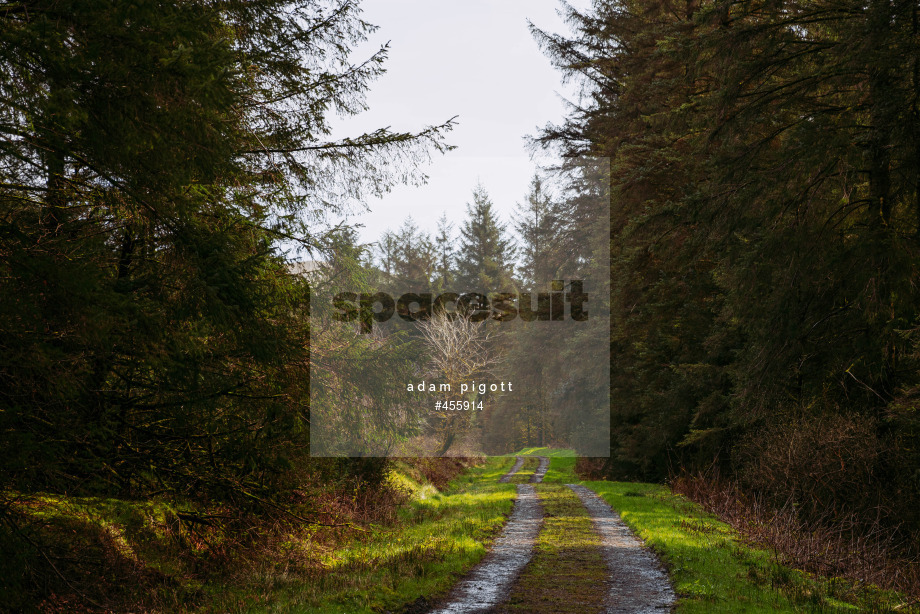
<point x="550" y="452"/>
<point x="96" y="550"/>
<point x="438" y="537"/>
<point x="561" y="464"/>
<point x="561" y="470"/>
<point x="404" y="478"/>
<point x="714" y="571"/>
<point x="168" y="556"/>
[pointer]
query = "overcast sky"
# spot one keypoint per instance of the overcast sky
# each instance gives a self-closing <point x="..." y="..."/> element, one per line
<point x="477" y="60"/>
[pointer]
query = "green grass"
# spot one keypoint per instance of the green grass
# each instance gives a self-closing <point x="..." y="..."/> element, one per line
<point x="561" y="464"/>
<point x="112" y="547"/>
<point x="568" y="571"/>
<point x="714" y="571"/>
<point x="550" y="452"/>
<point x="526" y="471"/>
<point x="439" y="537"/>
<point x="712" y="568"/>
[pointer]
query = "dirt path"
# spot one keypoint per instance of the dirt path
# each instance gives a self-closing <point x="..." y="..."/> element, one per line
<point x="537" y="476"/>
<point x="568" y="574"/>
<point x="519" y="462"/>
<point x="638" y="584"/>
<point x="490" y="581"/>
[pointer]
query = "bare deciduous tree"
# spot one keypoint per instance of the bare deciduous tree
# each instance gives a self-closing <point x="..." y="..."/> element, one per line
<point x="459" y="352"/>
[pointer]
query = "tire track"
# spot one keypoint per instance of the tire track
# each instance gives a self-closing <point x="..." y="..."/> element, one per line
<point x="490" y="581"/>
<point x="638" y="585"/>
<point x="538" y="475"/>
<point x="568" y="573"/>
<point x="517" y="467"/>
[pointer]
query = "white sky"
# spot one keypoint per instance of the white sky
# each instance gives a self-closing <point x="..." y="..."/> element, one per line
<point x="475" y="59"/>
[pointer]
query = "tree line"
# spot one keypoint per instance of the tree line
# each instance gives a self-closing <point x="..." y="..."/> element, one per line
<point x="765" y="203"/>
<point x="482" y="256"/>
<point x="156" y="161"/>
<point x="544" y="240"/>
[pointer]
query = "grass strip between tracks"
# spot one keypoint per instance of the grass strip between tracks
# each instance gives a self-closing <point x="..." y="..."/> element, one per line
<point x="567" y="572"/>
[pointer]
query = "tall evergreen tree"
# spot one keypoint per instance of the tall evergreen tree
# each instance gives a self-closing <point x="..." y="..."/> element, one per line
<point x="540" y="224"/>
<point x="386" y="251"/>
<point x="485" y="255"/>
<point x="660" y="302"/>
<point x="764" y="252"/>
<point x="444" y="255"/>
<point x="415" y="262"/>
<point x="152" y="156"/>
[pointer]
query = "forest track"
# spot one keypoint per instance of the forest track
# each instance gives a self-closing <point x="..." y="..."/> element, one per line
<point x="490" y="582"/>
<point x="519" y="462"/>
<point x="540" y="473"/>
<point x="638" y="584"/>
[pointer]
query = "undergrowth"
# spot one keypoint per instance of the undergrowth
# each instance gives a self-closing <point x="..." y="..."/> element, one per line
<point x="714" y="568"/>
<point x="863" y="554"/>
<point x="352" y="549"/>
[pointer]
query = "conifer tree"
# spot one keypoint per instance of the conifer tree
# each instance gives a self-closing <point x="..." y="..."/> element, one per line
<point x="414" y="262"/>
<point x="386" y="252"/>
<point x="659" y="312"/>
<point x="444" y="255"/>
<point x="485" y="255"/>
<point x="764" y="244"/>
<point x="153" y="155"/>
<point x="540" y="224"/>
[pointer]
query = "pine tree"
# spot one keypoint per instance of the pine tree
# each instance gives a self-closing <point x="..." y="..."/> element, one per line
<point x="444" y="255"/>
<point x="414" y="262"/>
<point x="540" y="224"/>
<point x="764" y="239"/>
<point x="661" y="305"/>
<point x="386" y="251"/>
<point x="152" y="157"/>
<point x="485" y="255"/>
